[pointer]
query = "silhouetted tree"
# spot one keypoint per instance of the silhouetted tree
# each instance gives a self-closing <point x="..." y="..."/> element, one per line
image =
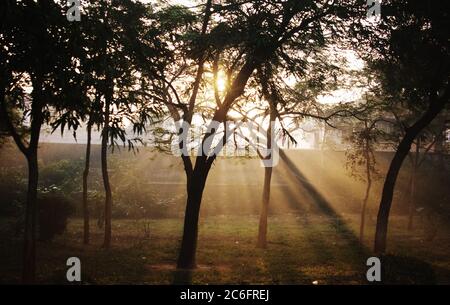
<point x="35" y="56"/>
<point x="118" y="55"/>
<point x="254" y="33"/>
<point x="410" y="51"/>
<point x="294" y="104"/>
<point x="361" y="160"/>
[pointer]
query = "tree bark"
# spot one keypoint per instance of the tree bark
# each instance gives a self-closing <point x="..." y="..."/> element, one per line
<point x="106" y="183"/>
<point x="262" y="228"/>
<point x="85" y="186"/>
<point x="391" y="177"/>
<point x="195" y="186"/>
<point x="29" y="245"/>
<point x="363" y="213"/>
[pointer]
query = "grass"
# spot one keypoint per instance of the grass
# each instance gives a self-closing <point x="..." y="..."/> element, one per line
<point x="301" y="250"/>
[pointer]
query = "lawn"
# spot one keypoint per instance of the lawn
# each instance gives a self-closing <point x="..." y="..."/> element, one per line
<point x="301" y="250"/>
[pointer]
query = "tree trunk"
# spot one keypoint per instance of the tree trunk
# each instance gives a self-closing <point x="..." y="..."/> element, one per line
<point x="31" y="210"/>
<point x="366" y="196"/>
<point x="262" y="229"/>
<point x="31" y="154"/>
<point x="394" y="168"/>
<point x="106" y="184"/>
<point x="412" y="194"/>
<point x="85" y="186"/>
<point x="197" y="177"/>
<point x="195" y="187"/>
<point x="363" y="211"/>
<point x="29" y="248"/>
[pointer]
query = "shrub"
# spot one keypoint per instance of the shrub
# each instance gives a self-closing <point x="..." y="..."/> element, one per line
<point x="13" y="191"/>
<point x="54" y="210"/>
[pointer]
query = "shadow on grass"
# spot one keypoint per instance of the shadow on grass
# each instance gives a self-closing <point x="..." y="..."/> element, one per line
<point x="334" y="244"/>
<point x="337" y="222"/>
<point x="395" y="269"/>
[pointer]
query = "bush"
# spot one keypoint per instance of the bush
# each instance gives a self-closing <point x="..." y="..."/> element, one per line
<point x="66" y="174"/>
<point x="13" y="190"/>
<point x="54" y="210"/>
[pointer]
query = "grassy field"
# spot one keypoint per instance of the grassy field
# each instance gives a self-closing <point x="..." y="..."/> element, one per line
<point x="301" y="250"/>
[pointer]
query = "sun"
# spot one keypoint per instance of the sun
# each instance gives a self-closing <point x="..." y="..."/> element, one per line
<point x="221" y="81"/>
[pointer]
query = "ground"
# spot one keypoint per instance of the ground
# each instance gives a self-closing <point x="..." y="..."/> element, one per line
<point x="301" y="250"/>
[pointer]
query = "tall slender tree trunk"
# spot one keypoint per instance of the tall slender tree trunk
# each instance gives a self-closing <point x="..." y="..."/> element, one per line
<point x="363" y="213"/>
<point x="366" y="196"/>
<point x="394" y="168"/>
<point x="412" y="194"/>
<point x="106" y="184"/>
<point x="29" y="246"/>
<point x="262" y="228"/>
<point x="85" y="186"/>
<point x="31" y="210"/>
<point x="195" y="186"/>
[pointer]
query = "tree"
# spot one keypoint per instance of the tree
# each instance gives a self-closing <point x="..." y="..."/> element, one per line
<point x="423" y="145"/>
<point x="411" y="54"/>
<point x="86" y="235"/>
<point x="115" y="48"/>
<point x="72" y="118"/>
<point x="361" y="160"/>
<point x="323" y="71"/>
<point x="255" y="32"/>
<point x="35" y="55"/>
